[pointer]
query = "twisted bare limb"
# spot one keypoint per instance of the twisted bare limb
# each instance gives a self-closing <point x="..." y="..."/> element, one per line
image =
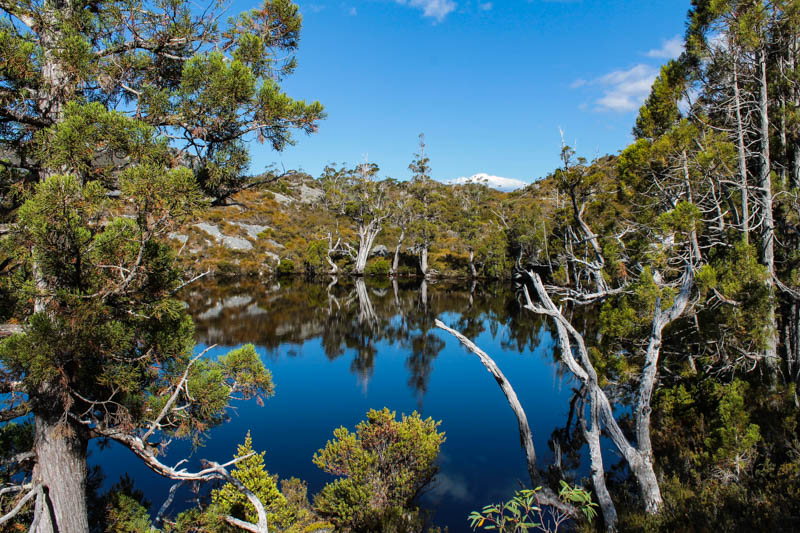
<point x="547" y="496"/>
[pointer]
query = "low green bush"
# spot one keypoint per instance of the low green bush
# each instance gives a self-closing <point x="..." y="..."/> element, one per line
<point x="378" y="267"/>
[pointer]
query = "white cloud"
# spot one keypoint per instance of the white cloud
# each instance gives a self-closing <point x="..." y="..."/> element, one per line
<point x="437" y="9"/>
<point x="453" y="487"/>
<point x="580" y="82"/>
<point x="352" y="12"/>
<point x="625" y="90"/>
<point x="670" y="48"/>
<point x="486" y="7"/>
<point x="494" y="182"/>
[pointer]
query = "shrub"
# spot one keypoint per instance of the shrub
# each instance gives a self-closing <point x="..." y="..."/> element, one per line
<point x="285" y="268"/>
<point x="378" y="267"/>
<point x="383" y="466"/>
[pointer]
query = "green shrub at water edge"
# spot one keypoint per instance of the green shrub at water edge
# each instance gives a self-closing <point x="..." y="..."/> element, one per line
<point x="379" y="267"/>
<point x="285" y="268"/>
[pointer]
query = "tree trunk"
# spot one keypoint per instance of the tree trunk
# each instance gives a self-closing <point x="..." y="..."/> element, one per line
<point x="640" y="462"/>
<point x="473" y="271"/>
<point x="396" y="261"/>
<point x="648" y="484"/>
<point x="767" y="221"/>
<point x="61" y="469"/>
<point x="742" y="157"/>
<point x="60" y="448"/>
<point x="794" y="142"/>
<point x="423" y="260"/>
<point x="525" y="434"/>
<point x="366" y="235"/>
<point x="592" y="436"/>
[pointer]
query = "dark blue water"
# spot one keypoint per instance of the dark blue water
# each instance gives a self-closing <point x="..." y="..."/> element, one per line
<point x="336" y="352"/>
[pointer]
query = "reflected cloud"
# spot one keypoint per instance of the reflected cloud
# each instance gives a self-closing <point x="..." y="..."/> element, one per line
<point x="451" y="487"/>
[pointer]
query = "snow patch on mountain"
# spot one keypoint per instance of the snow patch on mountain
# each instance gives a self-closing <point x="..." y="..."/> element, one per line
<point x="494" y="182"/>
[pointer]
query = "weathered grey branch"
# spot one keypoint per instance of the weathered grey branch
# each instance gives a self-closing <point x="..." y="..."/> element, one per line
<point x="525" y="434"/>
<point x="640" y="462"/>
<point x="20" y="505"/>
<point x="547" y="496"/>
<point x="592" y="436"/>
<point x="173" y="398"/>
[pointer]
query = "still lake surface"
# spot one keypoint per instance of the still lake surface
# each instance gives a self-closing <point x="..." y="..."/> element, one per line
<point x="335" y="351"/>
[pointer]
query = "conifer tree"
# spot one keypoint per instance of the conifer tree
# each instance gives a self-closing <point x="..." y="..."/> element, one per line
<point x="155" y="100"/>
<point x="424" y="205"/>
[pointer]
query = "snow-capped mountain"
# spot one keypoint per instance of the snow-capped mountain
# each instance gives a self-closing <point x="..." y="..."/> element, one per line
<point x="494" y="182"/>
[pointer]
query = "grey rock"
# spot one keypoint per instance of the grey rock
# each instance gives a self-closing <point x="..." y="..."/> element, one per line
<point x="232" y="243"/>
<point x="252" y="229"/>
<point x="380" y="251"/>
<point x="180" y="237"/>
<point x="282" y="198"/>
<point x="255" y="310"/>
<point x="309" y="195"/>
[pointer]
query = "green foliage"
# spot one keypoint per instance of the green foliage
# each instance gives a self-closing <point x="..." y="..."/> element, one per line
<point x="285" y="268"/>
<point x="126" y="515"/>
<point x="314" y="258"/>
<point x="734" y="437"/>
<point x="624" y="317"/>
<point x="378" y="268"/>
<point x="739" y="279"/>
<point x="383" y="466"/>
<point x="524" y="512"/>
<point x="252" y="473"/>
<point x="685" y="218"/>
<point x="491" y="252"/>
<point x="660" y="111"/>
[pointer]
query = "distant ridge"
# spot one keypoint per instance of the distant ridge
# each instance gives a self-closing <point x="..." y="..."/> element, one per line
<point x="494" y="182"/>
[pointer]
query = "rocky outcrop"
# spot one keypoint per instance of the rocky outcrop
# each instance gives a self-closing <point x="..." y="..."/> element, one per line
<point x="228" y="241"/>
<point x="379" y="251"/>
<point x="252" y="229"/>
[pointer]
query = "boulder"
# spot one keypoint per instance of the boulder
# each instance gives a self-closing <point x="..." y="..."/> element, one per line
<point x="231" y="243"/>
<point x="379" y="251"/>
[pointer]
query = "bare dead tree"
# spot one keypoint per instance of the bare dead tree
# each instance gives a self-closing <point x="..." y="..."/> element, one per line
<point x="547" y="495"/>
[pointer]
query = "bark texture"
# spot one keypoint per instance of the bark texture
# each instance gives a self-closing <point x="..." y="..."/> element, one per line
<point x="61" y="469"/>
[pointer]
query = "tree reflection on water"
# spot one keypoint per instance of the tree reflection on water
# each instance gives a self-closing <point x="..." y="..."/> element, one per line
<point x="351" y="316"/>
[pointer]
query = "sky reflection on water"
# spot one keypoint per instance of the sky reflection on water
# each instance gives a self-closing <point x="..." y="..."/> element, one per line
<point x="337" y="351"/>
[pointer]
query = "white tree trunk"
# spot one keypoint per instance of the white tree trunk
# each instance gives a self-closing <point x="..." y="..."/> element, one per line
<point x="742" y="155"/>
<point x="366" y="238"/>
<point x="639" y="458"/>
<point x="473" y="271"/>
<point x="767" y="221"/>
<point x="592" y="436"/>
<point x="396" y="261"/>
<point x="423" y="259"/>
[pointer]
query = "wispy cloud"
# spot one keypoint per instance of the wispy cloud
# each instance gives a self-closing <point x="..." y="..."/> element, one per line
<point x="580" y="82"/>
<point x="625" y="90"/>
<point x="454" y="487"/>
<point x="670" y="49"/>
<point x="486" y="7"/>
<point x="352" y="12"/>
<point x="436" y="9"/>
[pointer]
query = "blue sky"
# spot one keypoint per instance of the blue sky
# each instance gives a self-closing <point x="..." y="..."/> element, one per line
<point x="489" y="82"/>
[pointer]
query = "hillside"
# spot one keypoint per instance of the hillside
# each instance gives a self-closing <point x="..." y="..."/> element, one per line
<point x="280" y="221"/>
